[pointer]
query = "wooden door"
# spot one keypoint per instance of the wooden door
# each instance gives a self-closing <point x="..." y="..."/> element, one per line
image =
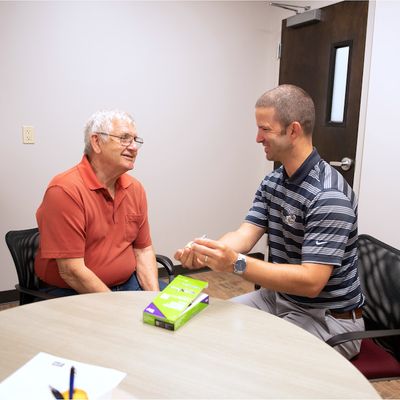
<point x="308" y="56"/>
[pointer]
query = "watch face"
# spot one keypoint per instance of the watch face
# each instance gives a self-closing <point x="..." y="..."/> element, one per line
<point x="240" y="265"/>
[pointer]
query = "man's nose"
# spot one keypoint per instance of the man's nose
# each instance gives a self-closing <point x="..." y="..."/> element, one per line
<point x="259" y="137"/>
<point x="133" y="146"/>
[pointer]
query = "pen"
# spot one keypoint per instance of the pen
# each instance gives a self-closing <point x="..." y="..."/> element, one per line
<point x="189" y="245"/>
<point x="71" y="382"/>
<point x="56" y="393"/>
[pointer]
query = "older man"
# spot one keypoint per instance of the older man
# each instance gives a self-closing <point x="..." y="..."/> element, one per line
<point x="93" y="223"/>
<point x="309" y="213"/>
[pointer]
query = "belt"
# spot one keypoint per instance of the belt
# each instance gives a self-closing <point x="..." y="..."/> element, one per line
<point x="352" y="314"/>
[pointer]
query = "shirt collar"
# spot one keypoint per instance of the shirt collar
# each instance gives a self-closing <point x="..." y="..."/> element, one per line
<point x="301" y="173"/>
<point x="90" y="179"/>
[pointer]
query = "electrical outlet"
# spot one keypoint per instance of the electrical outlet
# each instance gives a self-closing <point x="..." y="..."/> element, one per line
<point x="28" y="135"/>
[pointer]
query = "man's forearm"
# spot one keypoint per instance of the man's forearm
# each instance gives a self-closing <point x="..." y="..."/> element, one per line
<point x="244" y="238"/>
<point x="79" y="277"/>
<point x="148" y="281"/>
<point x="237" y="242"/>
<point x="91" y="285"/>
<point x="146" y="269"/>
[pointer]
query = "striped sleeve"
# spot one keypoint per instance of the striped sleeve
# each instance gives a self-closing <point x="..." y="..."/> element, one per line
<point x="329" y="225"/>
<point x="257" y="214"/>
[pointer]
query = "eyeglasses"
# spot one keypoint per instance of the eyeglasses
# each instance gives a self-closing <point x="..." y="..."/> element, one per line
<point x="126" y="140"/>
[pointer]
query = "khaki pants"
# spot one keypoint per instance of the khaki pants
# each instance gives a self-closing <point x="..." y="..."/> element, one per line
<point x="317" y="321"/>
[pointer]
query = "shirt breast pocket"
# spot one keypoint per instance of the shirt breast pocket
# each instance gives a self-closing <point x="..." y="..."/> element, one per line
<point x="132" y="226"/>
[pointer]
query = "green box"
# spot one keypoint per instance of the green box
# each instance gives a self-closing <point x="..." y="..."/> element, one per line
<point x="177" y="303"/>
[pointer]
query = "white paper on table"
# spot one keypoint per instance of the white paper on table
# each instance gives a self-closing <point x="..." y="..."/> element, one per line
<point x="32" y="380"/>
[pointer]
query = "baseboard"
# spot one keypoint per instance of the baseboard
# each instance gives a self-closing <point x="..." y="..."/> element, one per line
<point x="8" y="296"/>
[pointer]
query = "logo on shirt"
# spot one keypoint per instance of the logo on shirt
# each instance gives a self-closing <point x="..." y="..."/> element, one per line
<point x="320" y="243"/>
<point x="290" y="219"/>
<point x="288" y="216"/>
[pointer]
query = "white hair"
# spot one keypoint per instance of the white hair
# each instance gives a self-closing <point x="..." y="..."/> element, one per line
<point x="102" y="121"/>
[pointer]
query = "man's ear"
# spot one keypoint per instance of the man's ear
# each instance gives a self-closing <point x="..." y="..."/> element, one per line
<point x="294" y="130"/>
<point x="95" y="143"/>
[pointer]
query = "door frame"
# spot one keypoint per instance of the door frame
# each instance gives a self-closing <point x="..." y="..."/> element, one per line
<point x="364" y="98"/>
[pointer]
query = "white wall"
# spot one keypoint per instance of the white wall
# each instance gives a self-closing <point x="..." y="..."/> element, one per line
<point x="190" y="72"/>
<point x="379" y="186"/>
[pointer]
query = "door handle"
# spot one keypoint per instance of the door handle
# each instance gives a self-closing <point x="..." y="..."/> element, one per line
<point x="345" y="164"/>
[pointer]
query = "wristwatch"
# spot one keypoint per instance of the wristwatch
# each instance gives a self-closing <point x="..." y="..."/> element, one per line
<point x="239" y="266"/>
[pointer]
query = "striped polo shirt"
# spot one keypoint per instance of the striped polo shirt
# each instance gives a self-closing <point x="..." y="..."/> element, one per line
<point x="311" y="217"/>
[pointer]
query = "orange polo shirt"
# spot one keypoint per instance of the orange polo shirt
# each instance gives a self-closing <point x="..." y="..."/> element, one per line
<point x="78" y="218"/>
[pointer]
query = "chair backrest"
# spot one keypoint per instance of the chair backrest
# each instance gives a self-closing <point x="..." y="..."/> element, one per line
<point x="23" y="246"/>
<point x="379" y="269"/>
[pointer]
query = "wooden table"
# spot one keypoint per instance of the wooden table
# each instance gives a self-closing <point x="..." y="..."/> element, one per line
<point x="227" y="351"/>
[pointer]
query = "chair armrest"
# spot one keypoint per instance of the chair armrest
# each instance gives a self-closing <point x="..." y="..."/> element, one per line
<point x="167" y="264"/>
<point x="35" y="293"/>
<point x="345" y="337"/>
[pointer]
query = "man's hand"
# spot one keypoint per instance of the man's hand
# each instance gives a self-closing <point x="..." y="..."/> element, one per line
<point x="214" y="254"/>
<point x="221" y="254"/>
<point x="187" y="257"/>
<point x="207" y="253"/>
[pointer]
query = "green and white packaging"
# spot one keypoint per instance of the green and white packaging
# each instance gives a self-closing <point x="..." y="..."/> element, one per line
<point x="177" y="303"/>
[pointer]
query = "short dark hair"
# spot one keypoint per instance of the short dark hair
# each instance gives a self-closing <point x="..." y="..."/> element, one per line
<point x="291" y="103"/>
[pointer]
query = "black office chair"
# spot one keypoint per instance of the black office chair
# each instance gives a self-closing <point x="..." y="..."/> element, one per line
<point x="379" y="270"/>
<point x="23" y="245"/>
